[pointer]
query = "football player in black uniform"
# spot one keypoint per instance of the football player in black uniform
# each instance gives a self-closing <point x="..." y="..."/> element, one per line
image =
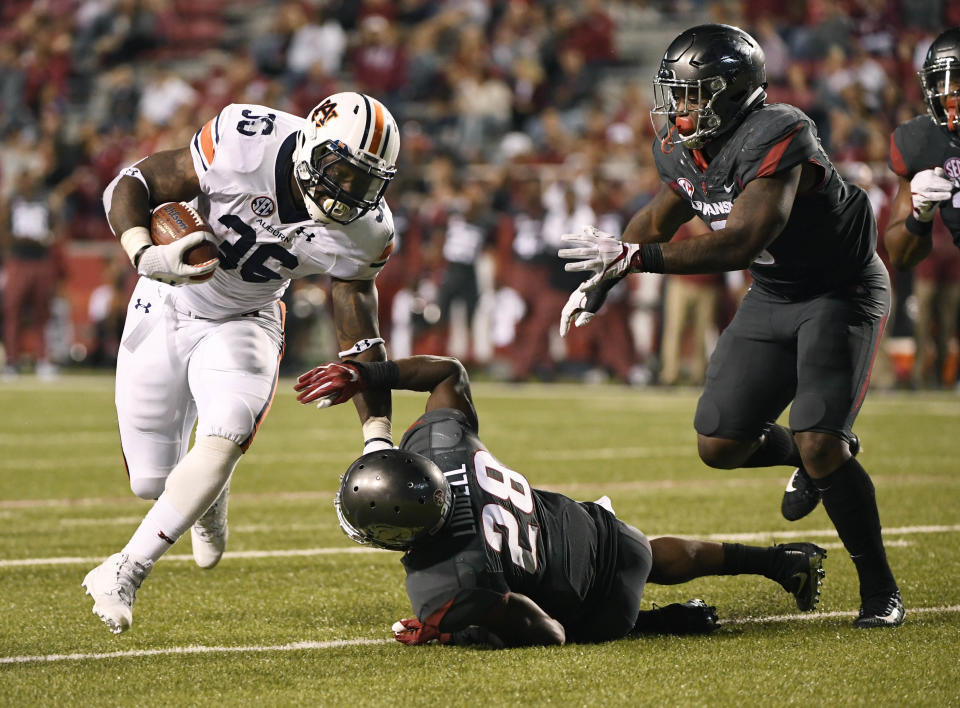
<point x="925" y="155"/>
<point x="491" y="559"/>
<point x="808" y="329"/>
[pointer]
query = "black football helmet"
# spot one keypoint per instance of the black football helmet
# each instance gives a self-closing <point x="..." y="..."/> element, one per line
<point x="393" y="499"/>
<point x="709" y="78"/>
<point x="940" y="79"/>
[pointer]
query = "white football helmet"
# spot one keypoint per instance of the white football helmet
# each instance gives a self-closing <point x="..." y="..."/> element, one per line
<point x="345" y="157"/>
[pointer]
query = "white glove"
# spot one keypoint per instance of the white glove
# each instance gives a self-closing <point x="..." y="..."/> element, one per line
<point x="165" y="263"/>
<point x="584" y="303"/>
<point x="928" y="188"/>
<point x="608" y="257"/>
<point x="573" y="312"/>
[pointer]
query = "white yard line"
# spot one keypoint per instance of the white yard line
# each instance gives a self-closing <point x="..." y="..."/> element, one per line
<point x="944" y="609"/>
<point x="350" y="550"/>
<point x="606" y="487"/>
<point x="296" y="552"/>
<point x="819" y="533"/>
<point x="293" y="646"/>
<point x="340" y="643"/>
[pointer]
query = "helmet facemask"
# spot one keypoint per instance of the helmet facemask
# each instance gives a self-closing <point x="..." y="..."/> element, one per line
<point x="698" y="119"/>
<point x="941" y="91"/>
<point x="338" y="185"/>
<point x="345" y="156"/>
<point x="711" y="76"/>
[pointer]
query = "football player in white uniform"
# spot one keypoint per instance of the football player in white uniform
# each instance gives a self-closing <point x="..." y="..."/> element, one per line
<point x="284" y="197"/>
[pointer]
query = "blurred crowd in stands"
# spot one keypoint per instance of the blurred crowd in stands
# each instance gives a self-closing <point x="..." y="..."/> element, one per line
<point x="521" y="120"/>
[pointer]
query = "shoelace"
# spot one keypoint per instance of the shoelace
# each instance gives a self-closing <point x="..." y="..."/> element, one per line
<point x="212" y="522"/>
<point x="129" y="576"/>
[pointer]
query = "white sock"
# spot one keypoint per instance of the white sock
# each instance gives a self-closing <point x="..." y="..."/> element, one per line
<point x="158" y="531"/>
<point x="193" y="485"/>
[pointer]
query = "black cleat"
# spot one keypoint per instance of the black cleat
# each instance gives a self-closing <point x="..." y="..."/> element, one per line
<point x="881" y="611"/>
<point x="690" y="617"/>
<point x="802" y="496"/>
<point x="802" y="573"/>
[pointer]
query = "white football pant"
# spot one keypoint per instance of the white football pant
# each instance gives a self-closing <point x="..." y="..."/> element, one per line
<point x="174" y="369"/>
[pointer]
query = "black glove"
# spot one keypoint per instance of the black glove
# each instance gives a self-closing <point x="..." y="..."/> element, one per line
<point x="690" y="617"/>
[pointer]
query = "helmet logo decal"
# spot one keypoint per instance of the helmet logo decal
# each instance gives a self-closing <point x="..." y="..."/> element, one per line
<point x="324" y="112"/>
<point x="262" y="206"/>
<point x="952" y="168"/>
<point x="438" y="497"/>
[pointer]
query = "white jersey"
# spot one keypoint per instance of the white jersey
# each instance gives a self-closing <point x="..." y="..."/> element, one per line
<point x="244" y="159"/>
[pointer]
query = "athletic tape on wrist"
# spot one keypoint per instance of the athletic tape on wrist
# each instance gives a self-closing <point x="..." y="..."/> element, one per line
<point x="134" y="240"/>
<point x="377" y="434"/>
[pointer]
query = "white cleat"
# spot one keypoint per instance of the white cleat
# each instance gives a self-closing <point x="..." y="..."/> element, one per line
<point x="113" y="586"/>
<point x="209" y="534"/>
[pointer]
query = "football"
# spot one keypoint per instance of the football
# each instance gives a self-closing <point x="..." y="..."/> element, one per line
<point x="174" y="220"/>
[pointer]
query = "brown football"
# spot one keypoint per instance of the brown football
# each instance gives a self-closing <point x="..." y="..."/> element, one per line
<point x="174" y="220"/>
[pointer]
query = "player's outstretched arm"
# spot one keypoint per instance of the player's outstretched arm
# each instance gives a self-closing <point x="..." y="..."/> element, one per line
<point x="758" y="216"/>
<point x="358" y="334"/>
<point x="609" y="259"/>
<point x="444" y="377"/>
<point x="907" y="244"/>
<point x="659" y="219"/>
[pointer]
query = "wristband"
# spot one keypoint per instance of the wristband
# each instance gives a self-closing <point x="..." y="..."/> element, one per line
<point x="378" y="374"/>
<point x="651" y="258"/>
<point x="917" y="227"/>
<point x="361" y="346"/>
<point x="134" y="241"/>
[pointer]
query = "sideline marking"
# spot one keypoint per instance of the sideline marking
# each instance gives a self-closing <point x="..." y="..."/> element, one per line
<point x="339" y="643"/>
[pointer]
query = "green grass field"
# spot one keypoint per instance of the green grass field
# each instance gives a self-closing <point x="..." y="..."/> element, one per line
<point x="297" y="614"/>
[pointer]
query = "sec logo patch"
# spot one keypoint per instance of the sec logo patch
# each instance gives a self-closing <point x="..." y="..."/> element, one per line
<point x="686" y="185"/>
<point x="952" y="168"/>
<point x="262" y="206"/>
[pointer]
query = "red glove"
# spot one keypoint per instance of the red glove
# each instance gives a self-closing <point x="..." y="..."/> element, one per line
<point x="412" y="632"/>
<point x="330" y="384"/>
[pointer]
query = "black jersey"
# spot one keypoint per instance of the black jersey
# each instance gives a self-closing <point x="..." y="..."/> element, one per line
<point x="831" y="234"/>
<point x="503" y="536"/>
<point x="920" y="144"/>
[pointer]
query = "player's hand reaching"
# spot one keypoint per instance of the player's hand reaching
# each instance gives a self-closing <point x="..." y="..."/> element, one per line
<point x="607" y="257"/>
<point x="583" y="304"/>
<point x="166" y="263"/>
<point x="928" y="188"/>
<point x="330" y="384"/>
<point x="413" y="631"/>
